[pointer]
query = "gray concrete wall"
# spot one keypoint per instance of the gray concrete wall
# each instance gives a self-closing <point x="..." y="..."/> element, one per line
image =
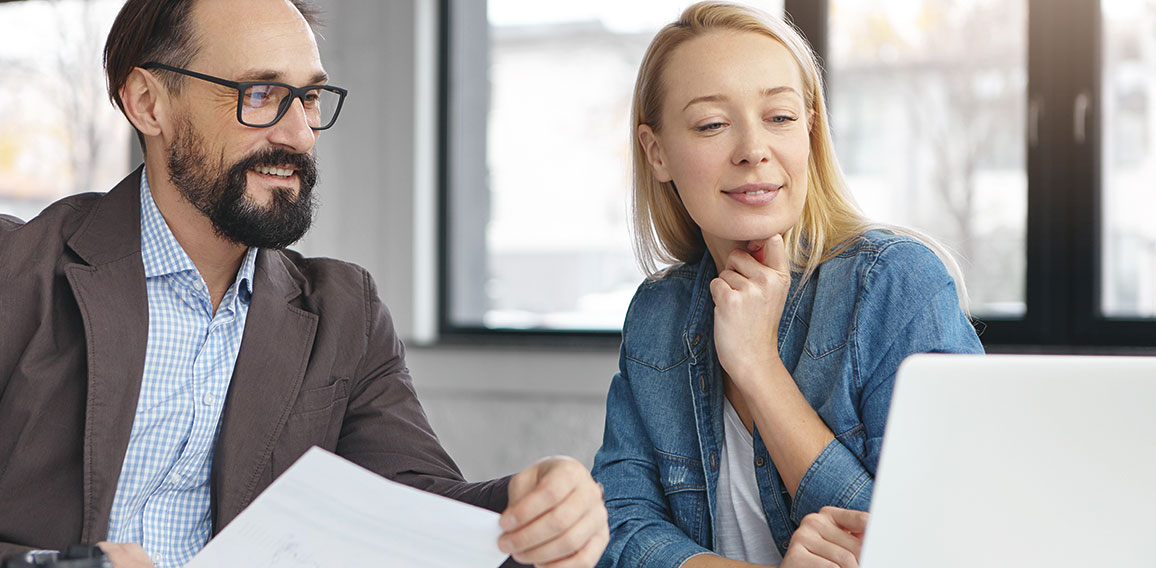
<point x="496" y="409"/>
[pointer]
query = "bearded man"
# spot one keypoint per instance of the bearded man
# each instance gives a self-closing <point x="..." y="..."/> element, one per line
<point x="163" y="358"/>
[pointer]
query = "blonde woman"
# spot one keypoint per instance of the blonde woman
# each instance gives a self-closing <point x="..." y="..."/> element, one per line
<point x="756" y="372"/>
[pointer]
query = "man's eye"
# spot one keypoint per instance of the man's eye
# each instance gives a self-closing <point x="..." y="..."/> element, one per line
<point x="258" y="95"/>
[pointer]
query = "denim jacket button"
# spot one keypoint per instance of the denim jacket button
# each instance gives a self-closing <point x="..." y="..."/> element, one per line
<point x="760" y="462"/>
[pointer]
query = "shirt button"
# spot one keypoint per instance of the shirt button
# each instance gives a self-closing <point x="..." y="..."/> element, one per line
<point x="209" y="399"/>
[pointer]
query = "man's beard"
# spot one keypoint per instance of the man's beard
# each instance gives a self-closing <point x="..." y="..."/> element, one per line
<point x="220" y="195"/>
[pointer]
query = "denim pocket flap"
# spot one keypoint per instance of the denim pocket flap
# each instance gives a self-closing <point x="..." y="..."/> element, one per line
<point x="680" y="473"/>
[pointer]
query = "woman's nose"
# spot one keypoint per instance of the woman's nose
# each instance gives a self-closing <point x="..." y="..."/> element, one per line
<point x="751" y="149"/>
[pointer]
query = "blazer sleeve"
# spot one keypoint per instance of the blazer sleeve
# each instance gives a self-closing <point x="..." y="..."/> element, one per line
<point x="907" y="304"/>
<point x="386" y="430"/>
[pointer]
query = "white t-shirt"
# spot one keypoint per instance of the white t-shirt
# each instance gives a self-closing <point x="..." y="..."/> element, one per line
<point x="741" y="530"/>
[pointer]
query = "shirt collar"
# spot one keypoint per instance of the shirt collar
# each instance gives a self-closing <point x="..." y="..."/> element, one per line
<point x="160" y="251"/>
<point x="162" y="254"/>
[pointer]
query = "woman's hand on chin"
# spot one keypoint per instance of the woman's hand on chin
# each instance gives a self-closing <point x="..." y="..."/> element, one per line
<point x="749" y="297"/>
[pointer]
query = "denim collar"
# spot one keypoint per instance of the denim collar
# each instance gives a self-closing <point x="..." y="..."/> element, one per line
<point x="700" y="318"/>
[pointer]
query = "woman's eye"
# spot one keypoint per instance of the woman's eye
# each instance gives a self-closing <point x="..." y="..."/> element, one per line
<point x="783" y="119"/>
<point x="710" y="127"/>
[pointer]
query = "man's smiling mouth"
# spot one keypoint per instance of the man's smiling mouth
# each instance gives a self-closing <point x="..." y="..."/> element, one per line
<point x="272" y="171"/>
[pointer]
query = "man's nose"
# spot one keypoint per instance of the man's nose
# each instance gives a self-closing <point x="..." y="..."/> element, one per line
<point x="293" y="131"/>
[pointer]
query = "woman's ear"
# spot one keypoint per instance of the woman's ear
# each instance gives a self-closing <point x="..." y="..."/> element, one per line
<point x="654" y="154"/>
<point x="145" y="102"/>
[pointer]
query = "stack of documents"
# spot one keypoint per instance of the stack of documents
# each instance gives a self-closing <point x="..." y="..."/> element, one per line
<point x="325" y="511"/>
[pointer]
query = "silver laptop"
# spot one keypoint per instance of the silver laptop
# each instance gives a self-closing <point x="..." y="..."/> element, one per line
<point x="1017" y="460"/>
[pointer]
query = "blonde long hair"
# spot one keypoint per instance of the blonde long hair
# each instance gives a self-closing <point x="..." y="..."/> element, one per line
<point x="831" y="219"/>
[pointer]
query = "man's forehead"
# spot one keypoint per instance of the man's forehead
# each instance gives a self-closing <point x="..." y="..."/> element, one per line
<point x="255" y="37"/>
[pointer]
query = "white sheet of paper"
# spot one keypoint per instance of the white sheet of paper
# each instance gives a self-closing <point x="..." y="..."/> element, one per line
<point x="326" y="511"/>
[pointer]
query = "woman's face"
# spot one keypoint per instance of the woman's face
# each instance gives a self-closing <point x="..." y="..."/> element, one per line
<point x="734" y="137"/>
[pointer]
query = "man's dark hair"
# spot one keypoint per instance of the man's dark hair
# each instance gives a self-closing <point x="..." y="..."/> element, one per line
<point x="161" y="31"/>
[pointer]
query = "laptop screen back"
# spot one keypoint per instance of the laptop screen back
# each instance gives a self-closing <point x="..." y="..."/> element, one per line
<point x="1010" y="460"/>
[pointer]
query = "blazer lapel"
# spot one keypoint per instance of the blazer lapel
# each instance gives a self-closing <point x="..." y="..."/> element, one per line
<point x="270" y="368"/>
<point x="109" y="287"/>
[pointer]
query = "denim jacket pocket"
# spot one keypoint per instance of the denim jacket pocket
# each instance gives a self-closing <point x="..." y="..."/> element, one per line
<point x="684" y="483"/>
<point x="855" y="439"/>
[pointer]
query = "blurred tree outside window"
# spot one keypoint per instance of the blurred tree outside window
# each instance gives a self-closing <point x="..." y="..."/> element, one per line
<point x="59" y="134"/>
<point x="552" y="250"/>
<point x="928" y="100"/>
<point x="1128" y="206"/>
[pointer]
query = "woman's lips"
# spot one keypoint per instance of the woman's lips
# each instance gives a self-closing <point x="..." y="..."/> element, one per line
<point x="754" y="193"/>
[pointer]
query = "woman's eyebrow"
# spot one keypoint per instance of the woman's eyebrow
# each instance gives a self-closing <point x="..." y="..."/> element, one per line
<point x="768" y="92"/>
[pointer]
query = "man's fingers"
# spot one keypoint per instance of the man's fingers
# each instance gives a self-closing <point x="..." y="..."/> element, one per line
<point x="589" y="554"/>
<point x="556" y="540"/>
<point x="541" y="487"/>
<point x="545" y="527"/>
<point x="534" y="504"/>
<point x="129" y="555"/>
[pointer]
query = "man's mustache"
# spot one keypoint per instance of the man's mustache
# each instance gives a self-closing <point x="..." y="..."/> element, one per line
<point x="304" y="164"/>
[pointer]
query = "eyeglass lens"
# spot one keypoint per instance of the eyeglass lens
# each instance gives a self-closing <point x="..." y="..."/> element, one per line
<point x="262" y="104"/>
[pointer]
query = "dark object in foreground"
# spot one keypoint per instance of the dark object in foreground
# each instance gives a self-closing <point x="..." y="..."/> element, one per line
<point x="75" y="556"/>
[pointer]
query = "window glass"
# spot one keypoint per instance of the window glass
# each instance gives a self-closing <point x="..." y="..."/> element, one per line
<point x="553" y="250"/>
<point x="927" y="100"/>
<point x="1128" y="88"/>
<point x="59" y="134"/>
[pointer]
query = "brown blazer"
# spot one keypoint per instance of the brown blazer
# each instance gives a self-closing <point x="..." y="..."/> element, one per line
<point x="319" y="364"/>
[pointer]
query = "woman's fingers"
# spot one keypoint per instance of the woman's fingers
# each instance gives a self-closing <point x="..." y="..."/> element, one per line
<point x="831" y="536"/>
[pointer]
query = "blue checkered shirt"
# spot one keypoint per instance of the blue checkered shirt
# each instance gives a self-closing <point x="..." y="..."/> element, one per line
<point x="162" y="496"/>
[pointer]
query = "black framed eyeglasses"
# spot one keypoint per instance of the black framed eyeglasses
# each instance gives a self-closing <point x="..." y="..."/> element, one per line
<point x="260" y="104"/>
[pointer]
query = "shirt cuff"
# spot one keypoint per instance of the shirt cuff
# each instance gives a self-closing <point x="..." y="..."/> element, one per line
<point x="836" y="478"/>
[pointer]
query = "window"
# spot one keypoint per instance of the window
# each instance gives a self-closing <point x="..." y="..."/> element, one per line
<point x="1128" y="91"/>
<point x="1069" y="154"/>
<point x="58" y="132"/>
<point x="539" y="161"/>
<point x="1021" y="135"/>
<point x="925" y="97"/>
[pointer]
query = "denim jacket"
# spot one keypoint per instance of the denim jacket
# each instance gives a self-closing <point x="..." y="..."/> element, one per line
<point x="842" y="336"/>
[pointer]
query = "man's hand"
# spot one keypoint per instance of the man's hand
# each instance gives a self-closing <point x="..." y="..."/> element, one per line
<point x="831" y="537"/>
<point x="126" y="555"/>
<point x="556" y="517"/>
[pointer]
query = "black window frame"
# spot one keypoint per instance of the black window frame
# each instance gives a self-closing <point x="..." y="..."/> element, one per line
<point x="1063" y="244"/>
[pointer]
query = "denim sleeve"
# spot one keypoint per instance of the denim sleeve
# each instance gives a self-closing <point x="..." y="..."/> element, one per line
<point x="908" y="304"/>
<point x="641" y="530"/>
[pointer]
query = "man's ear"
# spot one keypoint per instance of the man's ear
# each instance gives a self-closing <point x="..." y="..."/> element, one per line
<point x="146" y="102"/>
<point x="654" y="154"/>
